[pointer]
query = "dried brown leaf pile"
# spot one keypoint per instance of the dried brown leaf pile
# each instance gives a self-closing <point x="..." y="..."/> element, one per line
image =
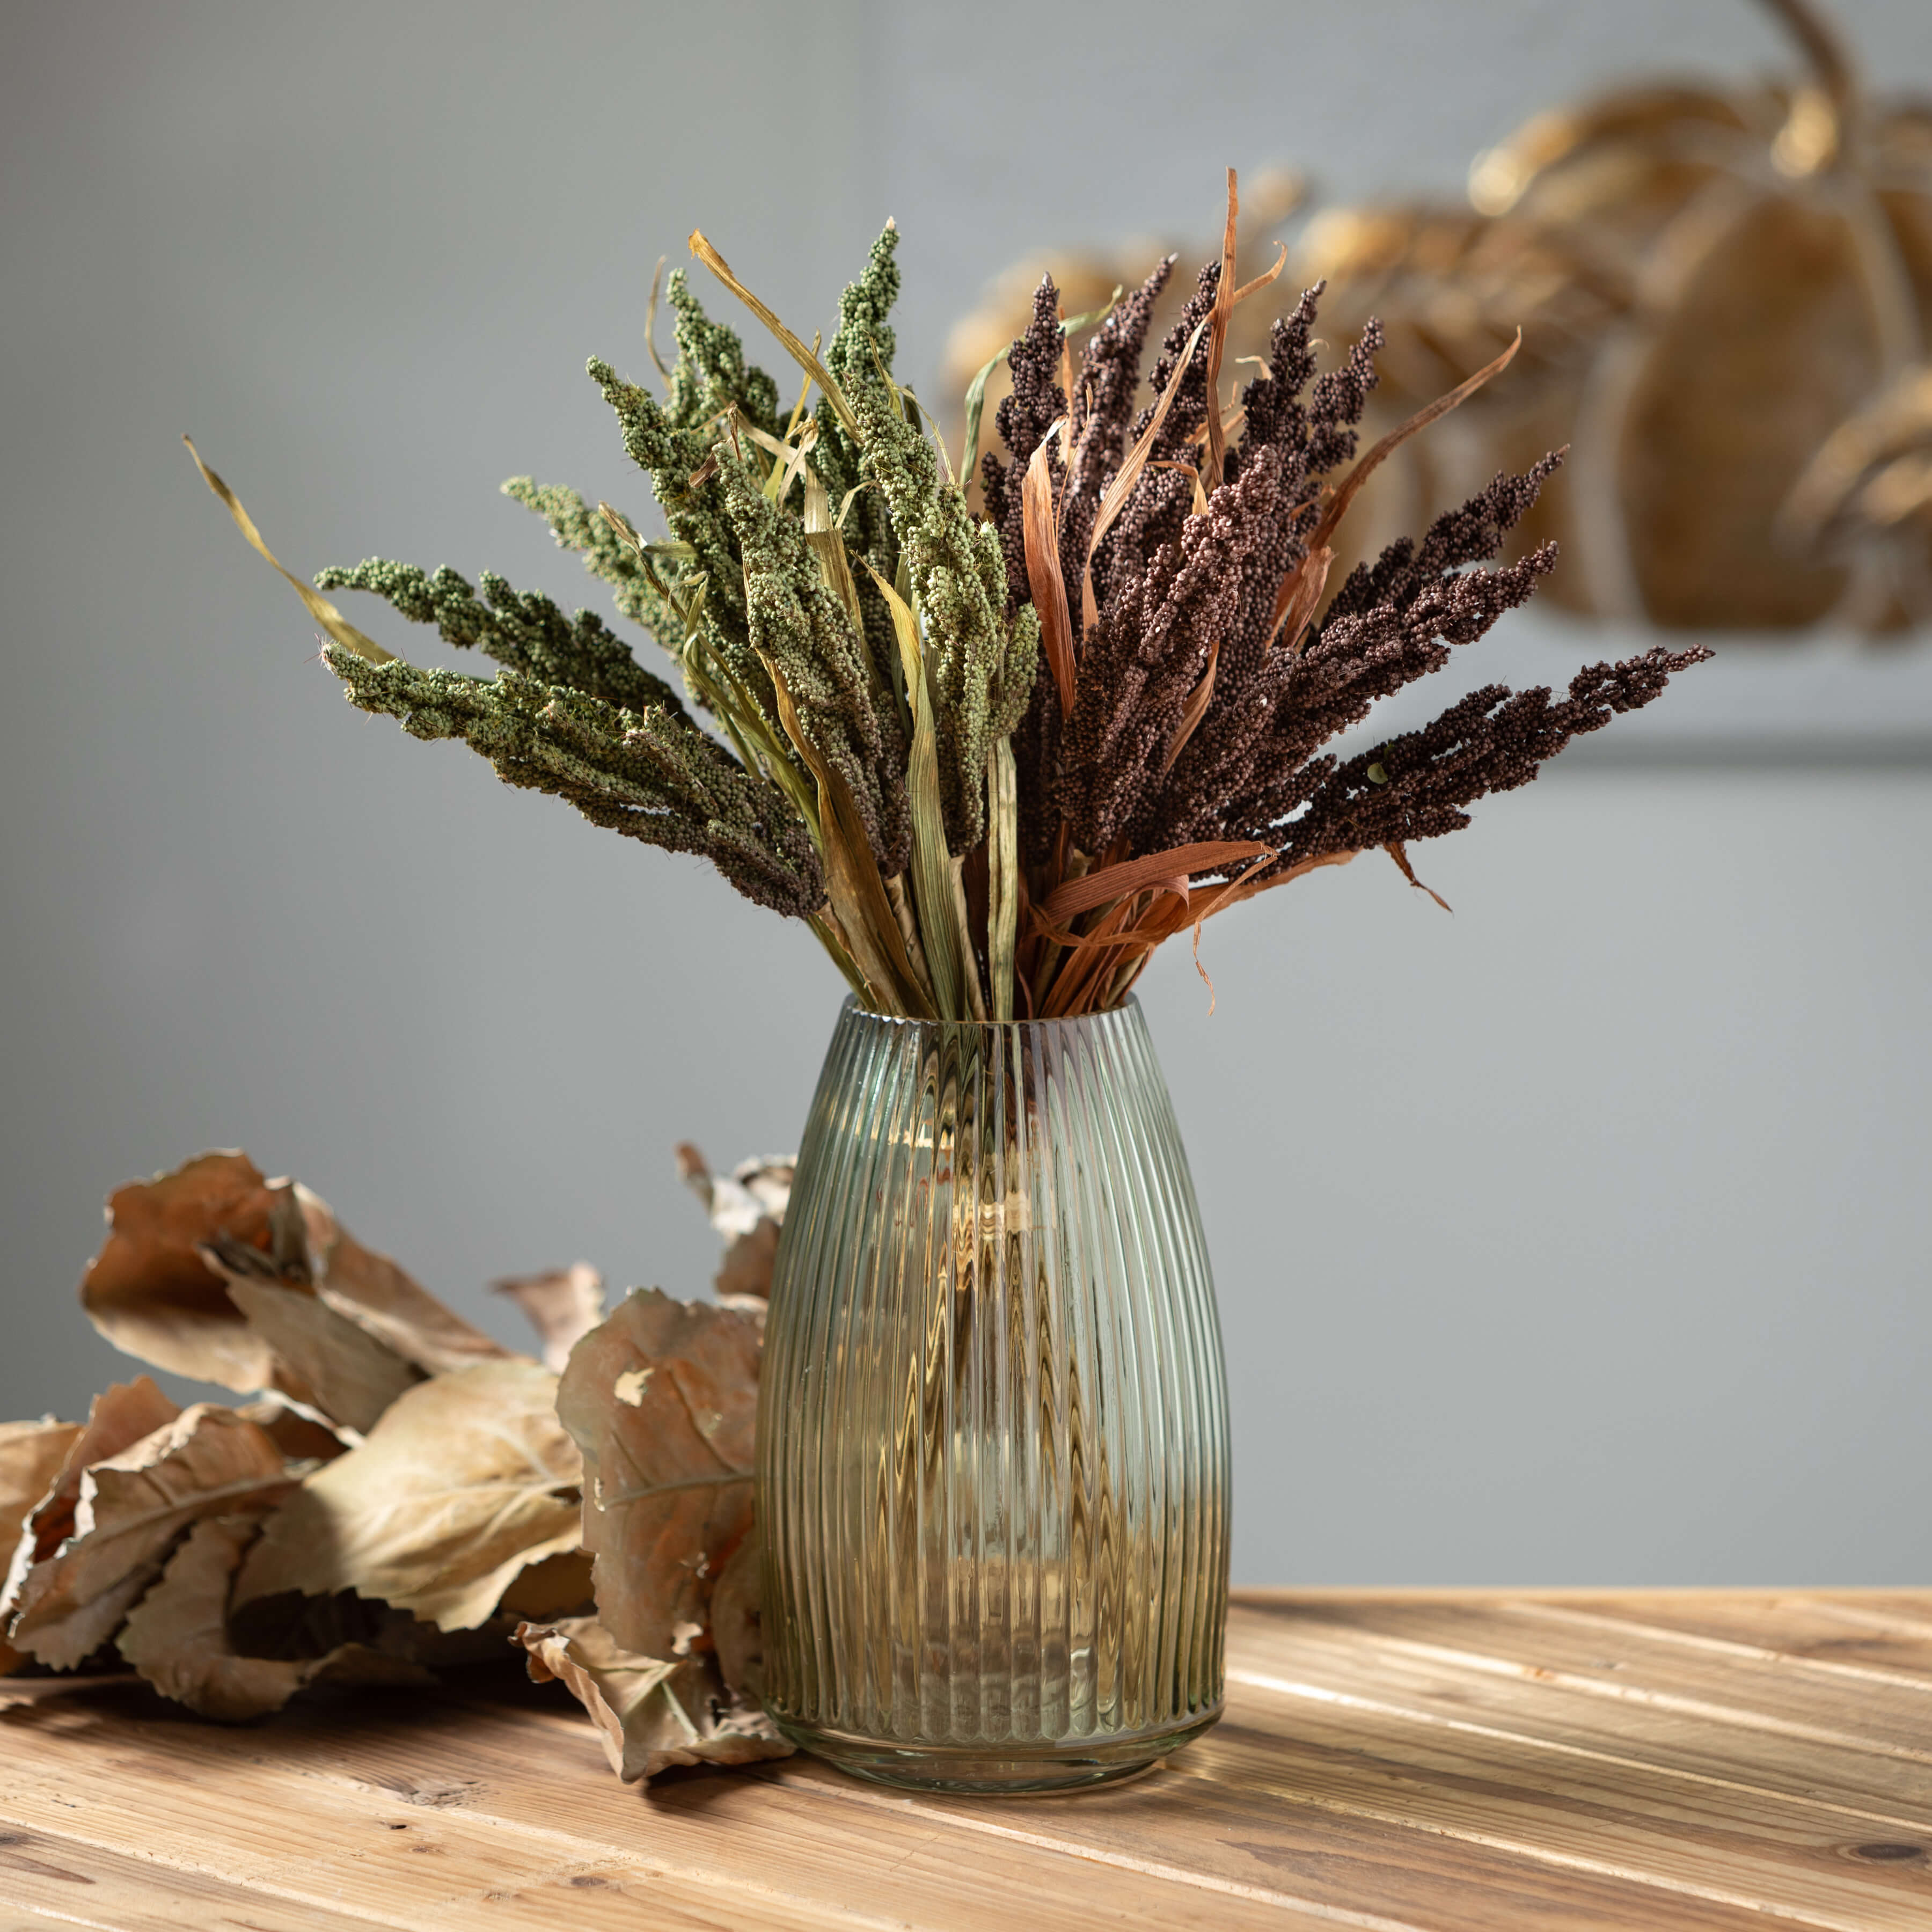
<point x="401" y="1491"/>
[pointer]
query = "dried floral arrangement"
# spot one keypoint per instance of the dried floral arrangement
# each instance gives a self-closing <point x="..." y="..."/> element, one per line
<point x="401" y="1493"/>
<point x="994" y="761"/>
<point x="1725" y="294"/>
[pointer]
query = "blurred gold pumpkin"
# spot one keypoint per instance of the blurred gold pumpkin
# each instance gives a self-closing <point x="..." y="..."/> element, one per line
<point x="1726" y="299"/>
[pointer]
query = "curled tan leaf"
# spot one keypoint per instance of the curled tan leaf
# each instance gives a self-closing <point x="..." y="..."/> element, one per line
<point x="466" y="1481"/>
<point x="563" y="1305"/>
<point x="375" y="1292"/>
<point x="662" y="1401"/>
<point x="121" y="1416"/>
<point x="323" y="1360"/>
<point x="650" y="1713"/>
<point x="207" y="1462"/>
<point x="177" y="1637"/>
<point x="737" y="1621"/>
<point x="32" y="1456"/>
<point x="160" y="1286"/>
<point x="151" y="1291"/>
<point x="302" y="1434"/>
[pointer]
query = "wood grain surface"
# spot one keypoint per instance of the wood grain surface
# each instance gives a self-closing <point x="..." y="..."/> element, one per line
<point x="1402" y="1761"/>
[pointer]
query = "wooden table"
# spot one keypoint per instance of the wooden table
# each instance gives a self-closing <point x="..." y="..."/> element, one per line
<point x="1459" y="1761"/>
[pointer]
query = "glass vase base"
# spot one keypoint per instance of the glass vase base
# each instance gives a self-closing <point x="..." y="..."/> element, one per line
<point x="987" y="1770"/>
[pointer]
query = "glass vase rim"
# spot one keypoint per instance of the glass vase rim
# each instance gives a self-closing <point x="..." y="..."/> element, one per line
<point x="1131" y="1005"/>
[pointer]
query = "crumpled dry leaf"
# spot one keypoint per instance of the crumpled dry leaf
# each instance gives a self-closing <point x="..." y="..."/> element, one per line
<point x="563" y="1305"/>
<point x="149" y="1291"/>
<point x="162" y="1288"/>
<point x="466" y="1481"/>
<point x="649" y="1714"/>
<point x="737" y="1622"/>
<point x="558" y="1586"/>
<point x="748" y="1207"/>
<point x="302" y="1434"/>
<point x="373" y="1291"/>
<point x="31" y="1454"/>
<point x="208" y="1461"/>
<point x="323" y="1358"/>
<point x="177" y="1637"/>
<point x="662" y="1400"/>
<point x="120" y="1416"/>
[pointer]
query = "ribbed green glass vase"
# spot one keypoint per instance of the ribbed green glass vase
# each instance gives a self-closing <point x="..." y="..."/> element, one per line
<point x="993" y="1435"/>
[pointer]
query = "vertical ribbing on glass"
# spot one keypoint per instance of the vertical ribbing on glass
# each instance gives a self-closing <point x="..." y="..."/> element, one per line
<point x="993" y="1454"/>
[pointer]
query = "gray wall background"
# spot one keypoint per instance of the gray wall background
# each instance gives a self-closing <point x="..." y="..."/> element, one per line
<point x="1579" y="1237"/>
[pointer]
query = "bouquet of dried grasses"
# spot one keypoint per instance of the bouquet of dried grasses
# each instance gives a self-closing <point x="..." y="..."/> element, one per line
<point x="994" y="761"/>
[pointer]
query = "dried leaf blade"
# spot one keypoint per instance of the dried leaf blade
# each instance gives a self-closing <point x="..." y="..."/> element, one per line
<point x="650" y="1713"/>
<point x="466" y="1481"/>
<point x="662" y="1403"/>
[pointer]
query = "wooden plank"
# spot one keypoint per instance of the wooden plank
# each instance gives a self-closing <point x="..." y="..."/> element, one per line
<point x="1869" y="1644"/>
<point x="1758" y="1851"/>
<point x="48" y="1880"/>
<point x="1238" y="1837"/>
<point x="1168" y="1849"/>
<point x="229" y="1807"/>
<point x="1629" y="1664"/>
<point x="1521" y="1710"/>
<point x="522" y="1811"/>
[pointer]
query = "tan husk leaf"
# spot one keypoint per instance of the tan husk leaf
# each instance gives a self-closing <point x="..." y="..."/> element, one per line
<point x="649" y="1713"/>
<point x="857" y="891"/>
<point x="467" y="1479"/>
<point x="324" y="613"/>
<point x="1351" y="486"/>
<point x="207" y="1462"/>
<point x="948" y="964"/>
<point x="662" y="1400"/>
<point x="1300" y="591"/>
<point x="563" y="1305"/>
<point x="803" y="356"/>
<point x="1044" y="579"/>
<point x="177" y="1637"/>
<point x="1152" y="869"/>
<point x="1114" y="498"/>
<point x="1217" y="340"/>
<point x="1194" y="711"/>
